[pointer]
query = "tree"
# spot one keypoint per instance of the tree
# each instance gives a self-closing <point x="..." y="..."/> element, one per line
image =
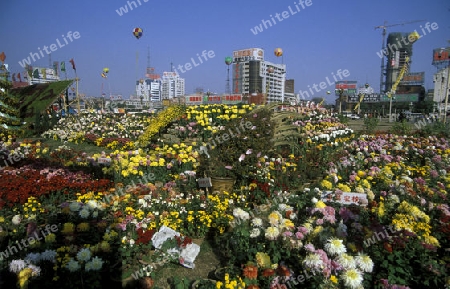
<point x="10" y="122"/>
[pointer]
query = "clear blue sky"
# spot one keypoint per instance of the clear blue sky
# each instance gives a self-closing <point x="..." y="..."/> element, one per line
<point x="317" y="41"/>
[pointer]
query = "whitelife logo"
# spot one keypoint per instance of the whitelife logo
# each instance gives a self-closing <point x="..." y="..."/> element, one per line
<point x="281" y="16"/>
<point x="28" y="241"/>
<point x="188" y="66"/>
<point x="323" y="85"/>
<point x="53" y="47"/>
<point x="130" y="4"/>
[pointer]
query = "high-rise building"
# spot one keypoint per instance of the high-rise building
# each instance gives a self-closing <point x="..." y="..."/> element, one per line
<point x="148" y="89"/>
<point x="253" y="75"/>
<point x="172" y="86"/>
<point x="398" y="49"/>
<point x="441" y="79"/>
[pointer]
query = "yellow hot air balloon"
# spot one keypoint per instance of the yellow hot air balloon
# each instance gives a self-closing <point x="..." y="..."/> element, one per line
<point x="106" y="70"/>
<point x="278" y="52"/>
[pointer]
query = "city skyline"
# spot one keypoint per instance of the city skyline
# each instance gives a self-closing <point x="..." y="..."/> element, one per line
<point x="317" y="39"/>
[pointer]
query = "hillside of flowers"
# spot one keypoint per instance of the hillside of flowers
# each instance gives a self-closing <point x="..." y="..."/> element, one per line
<point x="341" y="210"/>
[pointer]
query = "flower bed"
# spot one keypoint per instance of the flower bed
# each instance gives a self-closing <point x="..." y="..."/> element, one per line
<point x="375" y="214"/>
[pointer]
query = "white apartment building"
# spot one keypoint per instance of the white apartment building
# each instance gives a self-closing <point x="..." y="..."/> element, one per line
<point x="172" y="85"/>
<point x="252" y="74"/>
<point x="149" y="89"/>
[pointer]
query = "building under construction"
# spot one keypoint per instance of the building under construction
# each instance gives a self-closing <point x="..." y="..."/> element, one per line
<point x="398" y="48"/>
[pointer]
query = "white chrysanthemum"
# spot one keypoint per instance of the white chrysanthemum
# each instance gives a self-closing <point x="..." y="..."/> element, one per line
<point x="48" y="255"/>
<point x="313" y="261"/>
<point x="35" y="270"/>
<point x="72" y="265"/>
<point x="84" y="255"/>
<point x="16" y="219"/>
<point x="95" y="214"/>
<point x="92" y="204"/>
<point x="17" y="265"/>
<point x="335" y="247"/>
<point x="74" y="206"/>
<point x="352" y="278"/>
<point x="84" y="213"/>
<point x="347" y="261"/>
<point x="364" y="262"/>
<point x="94" y="265"/>
<point x="255" y="232"/>
<point x="257" y="222"/>
<point x="241" y="214"/>
<point x="272" y="233"/>
<point x="394" y="199"/>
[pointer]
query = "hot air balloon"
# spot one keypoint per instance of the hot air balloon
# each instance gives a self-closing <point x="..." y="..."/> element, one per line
<point x="137" y="32"/>
<point x="278" y="52"/>
<point x="106" y="70"/>
<point x="228" y="60"/>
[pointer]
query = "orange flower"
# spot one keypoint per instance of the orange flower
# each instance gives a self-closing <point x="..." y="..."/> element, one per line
<point x="388" y="247"/>
<point x="251" y="271"/>
<point x="268" y="272"/>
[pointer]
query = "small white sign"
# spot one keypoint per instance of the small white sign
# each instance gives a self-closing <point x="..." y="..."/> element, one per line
<point x="204" y="182"/>
<point x="345" y="198"/>
<point x="104" y="161"/>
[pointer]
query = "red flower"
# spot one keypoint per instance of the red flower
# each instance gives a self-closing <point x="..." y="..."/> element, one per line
<point x="283" y="271"/>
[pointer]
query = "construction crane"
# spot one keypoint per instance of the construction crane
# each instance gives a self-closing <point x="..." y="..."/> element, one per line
<point x="383" y="44"/>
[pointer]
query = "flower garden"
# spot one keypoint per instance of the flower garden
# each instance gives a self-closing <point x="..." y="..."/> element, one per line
<point x="312" y="203"/>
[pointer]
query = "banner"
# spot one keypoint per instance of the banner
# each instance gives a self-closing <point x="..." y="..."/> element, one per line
<point x="55" y="67"/>
<point x="63" y="66"/>
<point x="73" y="64"/>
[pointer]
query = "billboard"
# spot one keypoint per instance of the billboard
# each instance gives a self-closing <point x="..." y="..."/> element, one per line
<point x="407" y="97"/>
<point x="413" y="78"/>
<point x="248" y="55"/>
<point x="372" y="97"/>
<point x="349" y="87"/>
<point x="41" y="74"/>
<point x="441" y="56"/>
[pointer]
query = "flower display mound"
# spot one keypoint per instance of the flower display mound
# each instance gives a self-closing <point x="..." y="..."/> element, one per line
<point x="237" y="148"/>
